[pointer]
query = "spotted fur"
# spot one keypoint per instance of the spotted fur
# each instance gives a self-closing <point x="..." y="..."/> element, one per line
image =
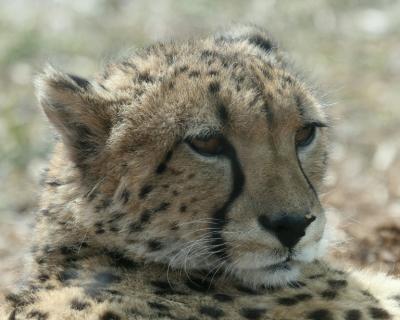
<point x="138" y="223"/>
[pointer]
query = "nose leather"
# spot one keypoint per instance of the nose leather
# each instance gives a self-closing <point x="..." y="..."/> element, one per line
<point x="289" y="228"/>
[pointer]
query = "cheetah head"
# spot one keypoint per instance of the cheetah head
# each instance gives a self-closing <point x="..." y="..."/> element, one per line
<point x="204" y="155"/>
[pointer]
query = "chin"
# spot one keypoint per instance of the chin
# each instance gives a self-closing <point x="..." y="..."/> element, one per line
<point x="276" y="275"/>
<point x="263" y="271"/>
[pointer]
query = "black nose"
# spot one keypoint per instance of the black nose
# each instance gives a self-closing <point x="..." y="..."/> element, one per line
<point x="289" y="228"/>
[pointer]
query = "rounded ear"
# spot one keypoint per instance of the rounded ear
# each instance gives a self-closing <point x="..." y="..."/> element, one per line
<point x="78" y="110"/>
<point x="256" y="36"/>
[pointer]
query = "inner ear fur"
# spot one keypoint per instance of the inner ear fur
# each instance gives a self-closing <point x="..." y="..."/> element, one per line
<point x="79" y="109"/>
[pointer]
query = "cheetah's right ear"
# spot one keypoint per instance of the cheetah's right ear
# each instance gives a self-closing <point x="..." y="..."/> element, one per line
<point x="78" y="110"/>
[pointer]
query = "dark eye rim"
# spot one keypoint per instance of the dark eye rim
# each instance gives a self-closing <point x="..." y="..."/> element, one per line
<point x="205" y="138"/>
<point x="310" y="138"/>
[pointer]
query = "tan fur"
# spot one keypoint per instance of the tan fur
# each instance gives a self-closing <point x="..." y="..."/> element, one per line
<point x="127" y="202"/>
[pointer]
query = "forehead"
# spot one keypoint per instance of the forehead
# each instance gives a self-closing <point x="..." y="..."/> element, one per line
<point x="249" y="95"/>
<point x="205" y="85"/>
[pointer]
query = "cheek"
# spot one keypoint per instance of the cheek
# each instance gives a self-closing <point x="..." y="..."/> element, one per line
<point x="315" y="163"/>
<point x="193" y="193"/>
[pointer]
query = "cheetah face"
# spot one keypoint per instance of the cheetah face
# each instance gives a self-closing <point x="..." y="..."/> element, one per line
<point x="211" y="162"/>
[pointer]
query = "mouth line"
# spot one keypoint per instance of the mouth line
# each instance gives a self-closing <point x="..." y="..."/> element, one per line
<point x="281" y="266"/>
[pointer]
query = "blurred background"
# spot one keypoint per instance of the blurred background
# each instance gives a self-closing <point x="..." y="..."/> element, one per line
<point x="351" y="49"/>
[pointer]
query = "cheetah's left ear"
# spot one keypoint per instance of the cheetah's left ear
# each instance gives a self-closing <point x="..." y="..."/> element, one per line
<point x="78" y="109"/>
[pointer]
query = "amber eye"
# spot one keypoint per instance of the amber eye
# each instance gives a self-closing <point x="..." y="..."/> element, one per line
<point x="208" y="146"/>
<point x="305" y="135"/>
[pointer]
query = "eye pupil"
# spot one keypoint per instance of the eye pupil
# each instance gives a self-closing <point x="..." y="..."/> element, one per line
<point x="207" y="146"/>
<point x="305" y="136"/>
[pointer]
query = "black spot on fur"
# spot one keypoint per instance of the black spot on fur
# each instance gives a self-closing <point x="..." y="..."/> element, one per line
<point x="396" y="298"/>
<point x="64" y="250"/>
<point x="247" y="290"/>
<point x="114" y="229"/>
<point x="379" y="313"/>
<point x="145" y="190"/>
<point x="37" y="315"/>
<point x="161" y="207"/>
<point x="158" y="306"/>
<point x="128" y="65"/>
<point x="222" y="113"/>
<point x="79" y="305"/>
<point x="155" y="245"/>
<point x="303" y="296"/>
<point x="81" y="82"/>
<point x="367" y="294"/>
<point x="109" y="315"/>
<point x="98" y="225"/>
<point x="119" y="260"/>
<point x="199" y="284"/>
<point x="163" y="165"/>
<point x="183" y="208"/>
<point x="67" y="275"/>
<point x="297" y="284"/>
<point x="174" y="226"/>
<point x="212" y="312"/>
<point x="145" y="77"/>
<point x="252" y="313"/>
<point x="290" y="301"/>
<point x="43" y="277"/>
<point x="104" y="203"/>
<point x="213" y="72"/>
<point x="45" y="212"/>
<point x="329" y="294"/>
<point x="53" y="183"/>
<point x="261" y="42"/>
<point x="116" y="215"/>
<point x="205" y="54"/>
<point x="12" y="315"/>
<point x="337" y="284"/>
<point x="163" y="288"/>
<point x="106" y="278"/>
<point x="138" y="225"/>
<point x="183" y="69"/>
<point x="161" y="284"/>
<point x="214" y="87"/>
<point x="221" y="297"/>
<point x="320" y="314"/>
<point x="125" y="195"/>
<point x="353" y="315"/>
<point x="194" y="74"/>
<point x="287" y="301"/>
<point x="17" y="300"/>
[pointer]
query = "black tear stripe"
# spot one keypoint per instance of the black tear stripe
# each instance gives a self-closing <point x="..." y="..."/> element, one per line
<point x="305" y="177"/>
<point x="219" y="219"/>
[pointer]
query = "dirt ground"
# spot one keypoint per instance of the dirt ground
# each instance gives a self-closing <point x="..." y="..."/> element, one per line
<point x="350" y="49"/>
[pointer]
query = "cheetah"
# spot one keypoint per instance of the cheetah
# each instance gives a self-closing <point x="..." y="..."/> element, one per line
<point x="184" y="185"/>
